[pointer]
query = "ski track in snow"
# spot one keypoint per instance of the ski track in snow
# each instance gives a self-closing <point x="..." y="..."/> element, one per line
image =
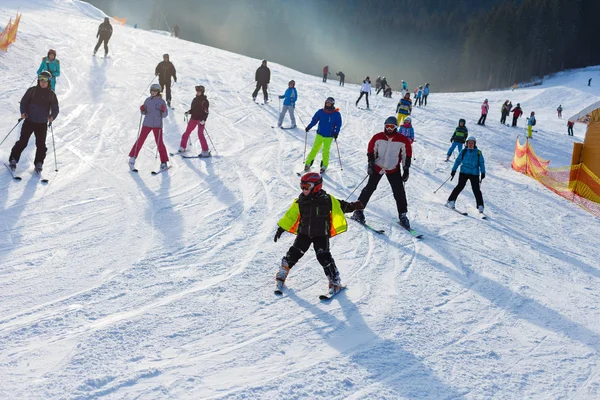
<point x="123" y="285"/>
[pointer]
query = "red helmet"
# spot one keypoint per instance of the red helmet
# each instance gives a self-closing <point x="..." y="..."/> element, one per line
<point x="312" y="181"/>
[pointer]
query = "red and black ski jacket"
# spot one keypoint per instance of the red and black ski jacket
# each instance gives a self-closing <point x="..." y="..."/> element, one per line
<point x="199" y="108"/>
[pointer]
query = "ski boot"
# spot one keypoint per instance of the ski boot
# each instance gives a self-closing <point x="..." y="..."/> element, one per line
<point x="450" y="204"/>
<point x="38" y="167"/>
<point x="335" y="284"/>
<point x="480" y="209"/>
<point x="359" y="216"/>
<point x="12" y="164"/>
<point x="404" y="221"/>
<point x="281" y="275"/>
<point x="164" y="166"/>
<point x="205" y="154"/>
<point x="181" y="150"/>
<point x="132" y="163"/>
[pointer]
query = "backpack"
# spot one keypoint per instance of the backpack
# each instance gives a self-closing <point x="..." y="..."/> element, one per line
<point x="533" y="123"/>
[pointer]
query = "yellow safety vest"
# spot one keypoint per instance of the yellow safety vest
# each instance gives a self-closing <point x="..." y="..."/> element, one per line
<point x="338" y="223"/>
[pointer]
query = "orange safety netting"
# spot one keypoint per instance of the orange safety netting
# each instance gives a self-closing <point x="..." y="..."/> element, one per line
<point x="121" y="21"/>
<point x="9" y="34"/>
<point x="575" y="183"/>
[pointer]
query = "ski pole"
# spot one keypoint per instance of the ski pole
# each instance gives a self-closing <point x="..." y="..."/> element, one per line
<point x="300" y="118"/>
<point x="279" y="106"/>
<point x="211" y="142"/>
<point x="339" y="156"/>
<point x="245" y="87"/>
<point x="305" y="140"/>
<point x="13" y="128"/>
<point x="150" y="84"/>
<point x="137" y="140"/>
<point x="357" y="186"/>
<point x="54" y="148"/>
<point x="435" y="191"/>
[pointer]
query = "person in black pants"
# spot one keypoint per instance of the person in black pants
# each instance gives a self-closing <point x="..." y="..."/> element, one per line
<point x="262" y="78"/>
<point x="165" y="70"/>
<point x="342" y="77"/>
<point x="39" y="106"/>
<point x="105" y="31"/>
<point x="471" y="164"/>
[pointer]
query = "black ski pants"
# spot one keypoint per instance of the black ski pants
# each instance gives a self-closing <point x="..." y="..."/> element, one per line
<point x="260" y="85"/>
<point x="514" y="123"/>
<point x="366" y="94"/>
<point x="40" y="131"/>
<point x="462" y="181"/>
<point x="341" y="81"/>
<point x="570" y="130"/>
<point x="395" y="180"/>
<point x="503" y="118"/>
<point x="425" y="99"/>
<point x="321" y="247"/>
<point x="482" y="119"/>
<point x="100" y="40"/>
<point x="165" y="87"/>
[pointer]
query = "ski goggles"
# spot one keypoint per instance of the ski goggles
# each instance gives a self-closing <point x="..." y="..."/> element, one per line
<point x="306" y="185"/>
<point x="43" y="78"/>
<point x="390" y="127"/>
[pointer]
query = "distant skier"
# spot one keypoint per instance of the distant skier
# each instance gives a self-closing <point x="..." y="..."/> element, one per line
<point x="330" y="123"/>
<point x="199" y="114"/>
<point x="559" y="110"/>
<point x="365" y="90"/>
<point x="105" y="31"/>
<point x="404" y="107"/>
<point x="471" y="164"/>
<point x="530" y="124"/>
<point x="485" y="108"/>
<point x="165" y="70"/>
<point x="517" y="112"/>
<point x="388" y="92"/>
<point x="262" y="78"/>
<point x="458" y="138"/>
<point x="407" y="130"/>
<point x="325" y="73"/>
<point x="289" y="103"/>
<point x="314" y="217"/>
<point x="386" y="152"/>
<point x="377" y="84"/>
<point x="425" y="94"/>
<point x="51" y="64"/>
<point x="39" y="107"/>
<point x="418" y="96"/>
<point x="570" y="128"/>
<point x="590" y="82"/>
<point x="383" y="85"/>
<point x="404" y="85"/>
<point x="176" y="31"/>
<point x="154" y="110"/>
<point x="342" y="77"/>
<point x="505" y="110"/>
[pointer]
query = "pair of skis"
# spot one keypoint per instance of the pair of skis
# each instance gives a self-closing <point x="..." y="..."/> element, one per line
<point x="411" y="231"/>
<point x="153" y="172"/>
<point x="18" y="178"/>
<point x="481" y="215"/>
<point x="323" y="297"/>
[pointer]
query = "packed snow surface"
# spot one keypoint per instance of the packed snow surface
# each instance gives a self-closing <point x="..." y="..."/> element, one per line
<point x="133" y="286"/>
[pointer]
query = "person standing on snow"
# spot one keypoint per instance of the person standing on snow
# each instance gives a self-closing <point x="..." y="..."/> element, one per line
<point x="330" y="123"/>
<point x="407" y="130"/>
<point x="570" y="128"/>
<point x="289" y="104"/>
<point x="590" y="82"/>
<point x="485" y="108"/>
<point x="165" y="70"/>
<point x="404" y="107"/>
<point x="39" y="107"/>
<point x="342" y="77"/>
<point x="559" y="111"/>
<point x="505" y="110"/>
<point x="262" y="78"/>
<point x="51" y="64"/>
<point x="377" y="84"/>
<point x="386" y="151"/>
<point x="105" y="31"/>
<point x="325" y="73"/>
<point x="199" y="114"/>
<point x="425" y="94"/>
<point x="382" y="85"/>
<point x="404" y="85"/>
<point x="365" y="90"/>
<point x="418" y="95"/>
<point x="530" y="124"/>
<point x="314" y="217"/>
<point x="517" y="112"/>
<point x="154" y="110"/>
<point x="472" y="163"/>
<point x="458" y="138"/>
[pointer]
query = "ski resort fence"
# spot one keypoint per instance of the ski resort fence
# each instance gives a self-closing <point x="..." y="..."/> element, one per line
<point x="9" y="35"/>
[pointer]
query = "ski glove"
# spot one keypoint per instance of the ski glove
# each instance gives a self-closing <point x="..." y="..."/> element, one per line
<point x="483" y="176"/>
<point x="358" y="205"/>
<point x="163" y="108"/>
<point x="307" y="129"/>
<point x="452" y="175"/>
<point x="278" y="234"/>
<point x="202" y="122"/>
<point x="335" y="135"/>
<point x="371" y="168"/>
<point x="405" y="175"/>
<point x="281" y="97"/>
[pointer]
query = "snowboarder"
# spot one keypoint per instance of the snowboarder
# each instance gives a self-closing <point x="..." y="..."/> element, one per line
<point x="425" y="94"/>
<point x="458" y="138"/>
<point x="570" y="128"/>
<point x="559" y="110"/>
<point x="39" y="107"/>
<point x="105" y="31"/>
<point x="418" y="96"/>
<point x="472" y="164"/>
<point x="330" y="123"/>
<point x="404" y="107"/>
<point x="325" y="73"/>
<point x="289" y="103"/>
<point x="407" y="130"/>
<point x="165" y="70"/>
<point x="386" y="151"/>
<point x="51" y="64"/>
<point x="365" y="90"/>
<point x="505" y="110"/>
<point x="314" y="217"/>
<point x="262" y="78"/>
<point x="517" y="112"/>
<point x="530" y="124"/>
<point x="342" y="77"/>
<point x="199" y="114"/>
<point x="485" y="108"/>
<point x="154" y="110"/>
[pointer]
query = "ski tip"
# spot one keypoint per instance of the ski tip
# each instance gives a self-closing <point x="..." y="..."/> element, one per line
<point x="44" y="181"/>
<point x="17" y="178"/>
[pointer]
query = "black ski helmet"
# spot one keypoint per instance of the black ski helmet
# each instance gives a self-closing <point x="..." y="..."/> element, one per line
<point x="330" y="100"/>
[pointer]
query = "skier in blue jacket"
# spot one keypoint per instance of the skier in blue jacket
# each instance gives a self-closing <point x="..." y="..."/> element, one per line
<point x="51" y="64"/>
<point x="289" y="103"/>
<point x="425" y="94"/>
<point x="471" y="164"/>
<point x="330" y="123"/>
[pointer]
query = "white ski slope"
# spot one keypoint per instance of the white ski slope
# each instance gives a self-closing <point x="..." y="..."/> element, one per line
<point x="122" y="286"/>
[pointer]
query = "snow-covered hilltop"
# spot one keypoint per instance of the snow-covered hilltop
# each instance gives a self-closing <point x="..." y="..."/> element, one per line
<point x="119" y="285"/>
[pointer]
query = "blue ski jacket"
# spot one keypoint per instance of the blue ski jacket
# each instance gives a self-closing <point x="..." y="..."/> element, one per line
<point x="330" y="122"/>
<point x="472" y="162"/>
<point x="290" y="96"/>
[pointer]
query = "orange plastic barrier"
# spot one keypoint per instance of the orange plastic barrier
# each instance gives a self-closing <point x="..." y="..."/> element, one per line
<point x="121" y="21"/>
<point x="9" y="34"/>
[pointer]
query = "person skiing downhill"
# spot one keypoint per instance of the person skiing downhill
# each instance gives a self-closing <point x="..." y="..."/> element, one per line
<point x="365" y="90"/>
<point x="262" y="76"/>
<point x="386" y="151"/>
<point x="289" y="103"/>
<point x="105" y="31"/>
<point x="559" y="110"/>
<point x="425" y="94"/>
<point x="530" y="124"/>
<point x="314" y="217"/>
<point x="485" y="108"/>
<point x="330" y="123"/>
<point x="165" y="70"/>
<point x="404" y="107"/>
<point x="471" y="163"/>
<point x="199" y="114"/>
<point x="154" y="110"/>
<point x="39" y="106"/>
<point x="51" y="64"/>
<point x="458" y="138"/>
<point x="407" y="130"/>
<point x="382" y="85"/>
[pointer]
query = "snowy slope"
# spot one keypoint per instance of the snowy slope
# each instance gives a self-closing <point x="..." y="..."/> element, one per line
<point x="117" y="285"/>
